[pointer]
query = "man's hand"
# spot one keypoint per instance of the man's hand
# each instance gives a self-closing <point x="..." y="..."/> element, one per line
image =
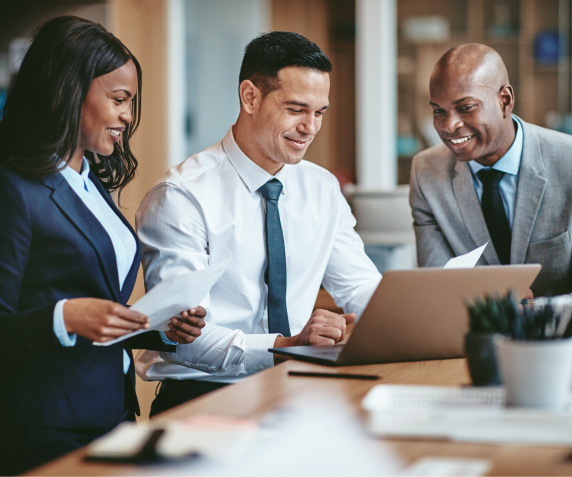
<point x="101" y="320"/>
<point x="529" y="295"/>
<point x="323" y="328"/>
<point x="188" y="328"/>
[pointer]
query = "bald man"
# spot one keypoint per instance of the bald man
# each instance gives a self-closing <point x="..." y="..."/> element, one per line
<point x="495" y="178"/>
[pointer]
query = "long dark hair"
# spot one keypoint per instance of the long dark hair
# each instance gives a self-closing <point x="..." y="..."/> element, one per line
<point x="42" y="113"/>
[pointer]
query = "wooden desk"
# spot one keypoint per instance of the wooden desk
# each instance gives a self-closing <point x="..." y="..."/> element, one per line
<point x="264" y="392"/>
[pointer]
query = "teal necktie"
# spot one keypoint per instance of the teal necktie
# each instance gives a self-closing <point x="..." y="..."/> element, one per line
<point x="276" y="270"/>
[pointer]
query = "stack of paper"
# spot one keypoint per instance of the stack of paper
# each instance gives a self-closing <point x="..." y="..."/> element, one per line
<point x="462" y="414"/>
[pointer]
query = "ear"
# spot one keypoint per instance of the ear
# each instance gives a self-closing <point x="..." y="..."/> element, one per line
<point x="250" y="96"/>
<point x="506" y="97"/>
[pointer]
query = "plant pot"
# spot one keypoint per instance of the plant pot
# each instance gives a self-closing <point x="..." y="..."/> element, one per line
<point x="536" y="373"/>
<point x="481" y="359"/>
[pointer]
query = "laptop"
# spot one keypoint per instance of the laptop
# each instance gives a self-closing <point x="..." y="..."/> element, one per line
<point x="417" y="315"/>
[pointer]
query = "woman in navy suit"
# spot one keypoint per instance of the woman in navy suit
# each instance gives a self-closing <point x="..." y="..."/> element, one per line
<point x="68" y="257"/>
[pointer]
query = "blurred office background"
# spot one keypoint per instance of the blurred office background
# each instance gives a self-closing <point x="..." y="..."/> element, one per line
<point x="382" y="52"/>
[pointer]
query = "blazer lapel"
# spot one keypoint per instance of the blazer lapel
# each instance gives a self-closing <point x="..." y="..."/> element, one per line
<point x="529" y="193"/>
<point x="471" y="211"/>
<point x="129" y="282"/>
<point x="74" y="208"/>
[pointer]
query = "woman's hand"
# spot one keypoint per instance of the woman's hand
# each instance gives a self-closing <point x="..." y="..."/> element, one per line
<point x="101" y="320"/>
<point x="186" y="329"/>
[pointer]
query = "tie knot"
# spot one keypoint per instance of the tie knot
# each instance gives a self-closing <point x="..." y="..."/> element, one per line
<point x="490" y="178"/>
<point x="271" y="190"/>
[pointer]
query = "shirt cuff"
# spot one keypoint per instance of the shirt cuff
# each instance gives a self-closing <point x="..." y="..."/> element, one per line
<point x="359" y="303"/>
<point x="60" y="331"/>
<point x="166" y="340"/>
<point x="257" y="356"/>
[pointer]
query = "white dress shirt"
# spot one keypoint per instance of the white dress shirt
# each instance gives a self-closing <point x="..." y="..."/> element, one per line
<point x="510" y="165"/>
<point x="207" y="209"/>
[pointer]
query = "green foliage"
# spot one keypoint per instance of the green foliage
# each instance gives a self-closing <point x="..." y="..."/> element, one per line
<point x="492" y="315"/>
<point x="520" y="322"/>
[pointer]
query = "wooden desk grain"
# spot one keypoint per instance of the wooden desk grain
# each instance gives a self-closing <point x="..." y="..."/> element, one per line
<point x="273" y="388"/>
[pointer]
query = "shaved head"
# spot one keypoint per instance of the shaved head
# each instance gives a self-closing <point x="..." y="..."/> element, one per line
<point x="472" y="103"/>
<point x="480" y="62"/>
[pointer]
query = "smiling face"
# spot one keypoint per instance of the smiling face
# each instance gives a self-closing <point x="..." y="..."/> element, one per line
<point x="107" y="110"/>
<point x="471" y="113"/>
<point x="285" y="121"/>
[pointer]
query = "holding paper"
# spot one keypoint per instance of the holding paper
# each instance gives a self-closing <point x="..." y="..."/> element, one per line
<point x="172" y="296"/>
<point x="468" y="260"/>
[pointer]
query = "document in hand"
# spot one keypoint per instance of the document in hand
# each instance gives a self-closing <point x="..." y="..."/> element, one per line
<point x="172" y="296"/>
<point x="468" y="260"/>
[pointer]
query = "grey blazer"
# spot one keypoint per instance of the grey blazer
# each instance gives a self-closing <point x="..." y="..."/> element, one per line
<point x="448" y="220"/>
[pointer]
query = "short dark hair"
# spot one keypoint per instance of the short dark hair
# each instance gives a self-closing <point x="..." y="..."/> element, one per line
<point x="268" y="53"/>
<point x="42" y="113"/>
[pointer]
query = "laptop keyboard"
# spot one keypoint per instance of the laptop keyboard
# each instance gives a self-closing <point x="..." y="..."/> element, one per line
<point x="327" y="351"/>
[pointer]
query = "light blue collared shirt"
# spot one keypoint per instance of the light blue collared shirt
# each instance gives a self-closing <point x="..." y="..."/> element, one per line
<point x="124" y="244"/>
<point x="510" y="165"/>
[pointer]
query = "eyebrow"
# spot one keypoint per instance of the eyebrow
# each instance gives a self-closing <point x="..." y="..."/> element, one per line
<point x="124" y="90"/>
<point x="454" y="102"/>
<point x="463" y="99"/>
<point x="305" y="105"/>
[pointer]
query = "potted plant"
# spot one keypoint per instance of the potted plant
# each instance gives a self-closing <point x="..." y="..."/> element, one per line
<point x="535" y="359"/>
<point x="487" y="317"/>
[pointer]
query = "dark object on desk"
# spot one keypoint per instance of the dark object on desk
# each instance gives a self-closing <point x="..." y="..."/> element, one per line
<point x="334" y="375"/>
<point x="482" y="359"/>
<point x="487" y="317"/>
<point x="568" y="458"/>
<point x="147" y="454"/>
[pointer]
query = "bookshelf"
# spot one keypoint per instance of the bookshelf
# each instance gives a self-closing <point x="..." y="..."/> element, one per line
<point x="511" y="27"/>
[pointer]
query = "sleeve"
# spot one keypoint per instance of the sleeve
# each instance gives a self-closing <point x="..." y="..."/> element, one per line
<point x="60" y="331"/>
<point x="31" y="330"/>
<point x="152" y="340"/>
<point x="174" y="236"/>
<point x="433" y="249"/>
<point x="166" y="340"/>
<point x="351" y="278"/>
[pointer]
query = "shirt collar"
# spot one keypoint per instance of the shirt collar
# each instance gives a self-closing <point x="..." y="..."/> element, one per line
<point x="510" y="162"/>
<point x="253" y="176"/>
<point x="73" y="177"/>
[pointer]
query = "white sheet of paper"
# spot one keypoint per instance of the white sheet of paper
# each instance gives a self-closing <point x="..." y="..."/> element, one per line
<point x="172" y="296"/>
<point x="469" y="260"/>
<point x="443" y="466"/>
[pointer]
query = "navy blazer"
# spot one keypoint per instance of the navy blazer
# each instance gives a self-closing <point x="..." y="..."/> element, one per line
<point x="52" y="247"/>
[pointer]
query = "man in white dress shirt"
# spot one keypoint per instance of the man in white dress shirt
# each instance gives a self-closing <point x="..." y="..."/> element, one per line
<point x="282" y="221"/>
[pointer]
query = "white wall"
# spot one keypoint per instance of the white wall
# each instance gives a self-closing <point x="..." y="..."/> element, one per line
<point x="376" y="93"/>
<point x="217" y="32"/>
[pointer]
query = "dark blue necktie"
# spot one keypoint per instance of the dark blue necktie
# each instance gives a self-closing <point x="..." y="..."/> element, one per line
<point x="495" y="215"/>
<point x="276" y="270"/>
